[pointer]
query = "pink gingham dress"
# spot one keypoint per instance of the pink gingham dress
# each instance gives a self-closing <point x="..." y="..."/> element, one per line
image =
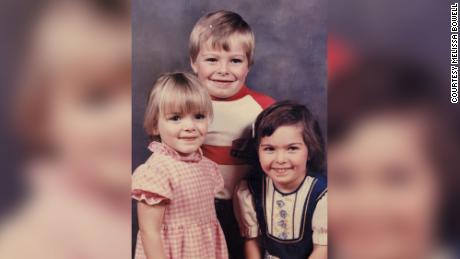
<point x="188" y="185"/>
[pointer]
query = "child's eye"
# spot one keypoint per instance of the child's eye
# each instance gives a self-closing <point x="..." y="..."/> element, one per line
<point x="268" y="149"/>
<point x="211" y="59"/>
<point x="236" y="60"/>
<point x="293" y="148"/>
<point x="174" y="118"/>
<point x="200" y="116"/>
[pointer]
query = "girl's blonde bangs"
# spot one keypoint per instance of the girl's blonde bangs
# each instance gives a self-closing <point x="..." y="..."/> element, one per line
<point x="184" y="99"/>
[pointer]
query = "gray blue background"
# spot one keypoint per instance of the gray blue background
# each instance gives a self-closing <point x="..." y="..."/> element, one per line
<point x="290" y="59"/>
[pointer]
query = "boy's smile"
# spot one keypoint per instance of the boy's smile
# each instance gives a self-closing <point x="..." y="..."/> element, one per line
<point x="222" y="72"/>
<point x="222" y="83"/>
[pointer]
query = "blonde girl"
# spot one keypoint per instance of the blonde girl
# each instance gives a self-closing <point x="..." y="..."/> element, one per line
<point x="175" y="187"/>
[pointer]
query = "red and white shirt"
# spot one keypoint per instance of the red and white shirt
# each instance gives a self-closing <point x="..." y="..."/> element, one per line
<point x="233" y="119"/>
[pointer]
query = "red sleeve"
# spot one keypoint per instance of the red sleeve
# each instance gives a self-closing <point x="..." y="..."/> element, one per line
<point x="263" y="100"/>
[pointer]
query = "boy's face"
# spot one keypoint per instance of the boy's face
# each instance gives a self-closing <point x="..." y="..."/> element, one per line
<point x="283" y="157"/>
<point x="222" y="72"/>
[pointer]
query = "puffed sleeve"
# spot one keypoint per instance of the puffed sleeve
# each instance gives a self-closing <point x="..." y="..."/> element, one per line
<point x="319" y="222"/>
<point x="151" y="183"/>
<point x="218" y="179"/>
<point x="245" y="213"/>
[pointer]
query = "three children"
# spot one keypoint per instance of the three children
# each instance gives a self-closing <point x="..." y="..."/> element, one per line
<point x="177" y="185"/>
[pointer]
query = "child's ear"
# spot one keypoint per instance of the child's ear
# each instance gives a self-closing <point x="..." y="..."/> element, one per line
<point x="193" y="64"/>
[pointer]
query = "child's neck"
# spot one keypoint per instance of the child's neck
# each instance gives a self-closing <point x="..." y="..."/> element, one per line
<point x="289" y="187"/>
<point x="184" y="155"/>
<point x="240" y="94"/>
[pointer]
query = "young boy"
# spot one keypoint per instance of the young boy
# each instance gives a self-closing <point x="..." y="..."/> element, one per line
<point x="221" y="52"/>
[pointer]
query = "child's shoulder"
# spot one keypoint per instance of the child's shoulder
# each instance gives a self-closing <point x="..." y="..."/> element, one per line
<point x="157" y="162"/>
<point x="262" y="99"/>
<point x="157" y="159"/>
<point x="318" y="175"/>
<point x="319" y="188"/>
<point x="152" y="170"/>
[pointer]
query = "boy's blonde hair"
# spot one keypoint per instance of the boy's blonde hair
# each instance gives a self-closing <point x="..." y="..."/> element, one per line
<point x="217" y="27"/>
<point x="175" y="93"/>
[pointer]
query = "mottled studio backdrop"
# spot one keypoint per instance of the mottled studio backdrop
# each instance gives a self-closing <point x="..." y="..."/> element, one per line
<point x="290" y="59"/>
<point x="290" y="55"/>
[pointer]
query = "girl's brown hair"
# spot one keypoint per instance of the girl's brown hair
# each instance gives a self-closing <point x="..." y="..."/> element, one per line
<point x="287" y="113"/>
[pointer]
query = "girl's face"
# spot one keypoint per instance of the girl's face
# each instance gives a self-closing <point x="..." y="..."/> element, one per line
<point x="383" y="190"/>
<point x="283" y="157"/>
<point x="183" y="132"/>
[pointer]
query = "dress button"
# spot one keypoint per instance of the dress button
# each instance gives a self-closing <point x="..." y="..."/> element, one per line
<point x="280" y="203"/>
<point x="282" y="224"/>
<point x="283" y="214"/>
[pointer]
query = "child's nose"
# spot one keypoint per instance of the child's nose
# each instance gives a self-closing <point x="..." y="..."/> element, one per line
<point x="223" y="68"/>
<point x="280" y="157"/>
<point x="189" y="124"/>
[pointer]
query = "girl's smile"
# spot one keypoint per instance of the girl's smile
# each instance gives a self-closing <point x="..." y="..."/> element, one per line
<point x="282" y="171"/>
<point x="183" y="132"/>
<point x="283" y="157"/>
